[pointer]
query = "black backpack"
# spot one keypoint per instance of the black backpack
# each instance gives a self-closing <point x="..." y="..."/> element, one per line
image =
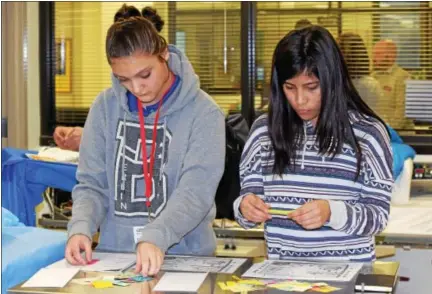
<point x="237" y="131"/>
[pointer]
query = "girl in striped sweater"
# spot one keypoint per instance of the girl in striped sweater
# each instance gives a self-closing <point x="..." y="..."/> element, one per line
<point x="321" y="155"/>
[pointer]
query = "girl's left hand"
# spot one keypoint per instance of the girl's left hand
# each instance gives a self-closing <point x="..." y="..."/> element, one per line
<point x="312" y="215"/>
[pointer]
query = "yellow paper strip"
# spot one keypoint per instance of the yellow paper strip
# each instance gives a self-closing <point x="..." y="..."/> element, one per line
<point x="279" y="212"/>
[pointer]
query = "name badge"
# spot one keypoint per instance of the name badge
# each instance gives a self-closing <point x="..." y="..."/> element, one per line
<point x="138" y="233"/>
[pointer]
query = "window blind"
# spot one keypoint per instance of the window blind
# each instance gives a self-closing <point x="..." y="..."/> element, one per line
<point x="407" y="24"/>
<point x="208" y="32"/>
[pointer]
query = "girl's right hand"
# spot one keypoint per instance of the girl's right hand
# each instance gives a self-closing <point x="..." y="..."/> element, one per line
<point x="254" y="209"/>
<point x="75" y="245"/>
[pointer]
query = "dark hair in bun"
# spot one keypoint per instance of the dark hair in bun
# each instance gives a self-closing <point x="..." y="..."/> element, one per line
<point x="126" y="12"/>
<point x="152" y="15"/>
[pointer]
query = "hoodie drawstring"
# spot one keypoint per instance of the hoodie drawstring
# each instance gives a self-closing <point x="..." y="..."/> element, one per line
<point x="123" y="167"/>
<point x="304" y="147"/>
<point x="163" y="150"/>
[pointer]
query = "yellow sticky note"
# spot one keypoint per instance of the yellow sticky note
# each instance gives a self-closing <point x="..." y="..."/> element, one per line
<point x="223" y="286"/>
<point x="325" y="289"/>
<point x="231" y="284"/>
<point x="251" y="282"/>
<point x="241" y="288"/>
<point x="291" y="286"/>
<point x="236" y="278"/>
<point x="102" y="284"/>
<point x="279" y="212"/>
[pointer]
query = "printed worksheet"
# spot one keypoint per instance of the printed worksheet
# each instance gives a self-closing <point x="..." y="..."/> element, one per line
<point x="202" y="264"/>
<point x="296" y="270"/>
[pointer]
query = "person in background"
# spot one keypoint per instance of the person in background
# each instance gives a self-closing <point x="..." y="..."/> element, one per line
<point x="69" y="138"/>
<point x="320" y="155"/>
<point x="392" y="79"/>
<point x="151" y="157"/>
<point x="357" y="60"/>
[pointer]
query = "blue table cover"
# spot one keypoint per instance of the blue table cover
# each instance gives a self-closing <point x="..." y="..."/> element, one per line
<point x="24" y="180"/>
<point x="25" y="250"/>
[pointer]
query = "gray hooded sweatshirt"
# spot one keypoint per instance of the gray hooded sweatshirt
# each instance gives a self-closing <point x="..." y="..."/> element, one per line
<point x="189" y="162"/>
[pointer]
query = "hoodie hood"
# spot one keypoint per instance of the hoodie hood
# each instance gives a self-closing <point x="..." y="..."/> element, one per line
<point x="185" y="92"/>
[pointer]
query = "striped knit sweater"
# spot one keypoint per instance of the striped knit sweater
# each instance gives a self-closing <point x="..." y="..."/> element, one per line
<point x="359" y="209"/>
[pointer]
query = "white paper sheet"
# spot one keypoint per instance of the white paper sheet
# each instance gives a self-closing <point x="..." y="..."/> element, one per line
<point x="107" y="262"/>
<point x="185" y="282"/>
<point x="296" y="270"/>
<point x="51" y="278"/>
<point x="202" y="264"/>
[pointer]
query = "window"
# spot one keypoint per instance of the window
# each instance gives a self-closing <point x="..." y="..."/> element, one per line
<point x="212" y="37"/>
<point x="212" y="44"/>
<point x="210" y="34"/>
<point x="408" y="24"/>
<point x="404" y="29"/>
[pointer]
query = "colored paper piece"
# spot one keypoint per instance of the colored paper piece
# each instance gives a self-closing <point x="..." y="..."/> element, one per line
<point x="292" y="286"/>
<point x="120" y="283"/>
<point x="319" y="284"/>
<point x="223" y="286"/>
<point x="140" y="278"/>
<point x="325" y="289"/>
<point x="102" y="284"/>
<point x="93" y="261"/>
<point x="85" y="281"/>
<point x="251" y="282"/>
<point x="279" y="212"/>
<point x="240" y="286"/>
<point x="125" y="276"/>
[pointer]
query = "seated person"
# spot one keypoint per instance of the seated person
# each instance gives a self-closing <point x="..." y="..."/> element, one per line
<point x="320" y="154"/>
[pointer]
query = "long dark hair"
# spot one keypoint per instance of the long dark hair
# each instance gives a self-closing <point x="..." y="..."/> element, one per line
<point x="313" y="50"/>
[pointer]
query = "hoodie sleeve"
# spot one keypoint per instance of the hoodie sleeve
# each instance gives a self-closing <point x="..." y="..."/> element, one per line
<point x="90" y="195"/>
<point x="194" y="195"/>
<point x="369" y="216"/>
<point x="251" y="179"/>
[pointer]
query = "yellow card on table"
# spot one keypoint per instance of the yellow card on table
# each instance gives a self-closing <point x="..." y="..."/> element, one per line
<point x="101" y="284"/>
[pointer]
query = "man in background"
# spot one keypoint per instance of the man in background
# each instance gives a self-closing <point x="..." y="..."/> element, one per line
<point x="392" y="79"/>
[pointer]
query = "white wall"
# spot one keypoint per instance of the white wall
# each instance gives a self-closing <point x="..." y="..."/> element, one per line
<point x="33" y="94"/>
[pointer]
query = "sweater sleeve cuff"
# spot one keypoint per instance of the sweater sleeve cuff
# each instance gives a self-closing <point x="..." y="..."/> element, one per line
<point x="339" y="216"/>
<point x="236" y="207"/>
<point x="80" y="228"/>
